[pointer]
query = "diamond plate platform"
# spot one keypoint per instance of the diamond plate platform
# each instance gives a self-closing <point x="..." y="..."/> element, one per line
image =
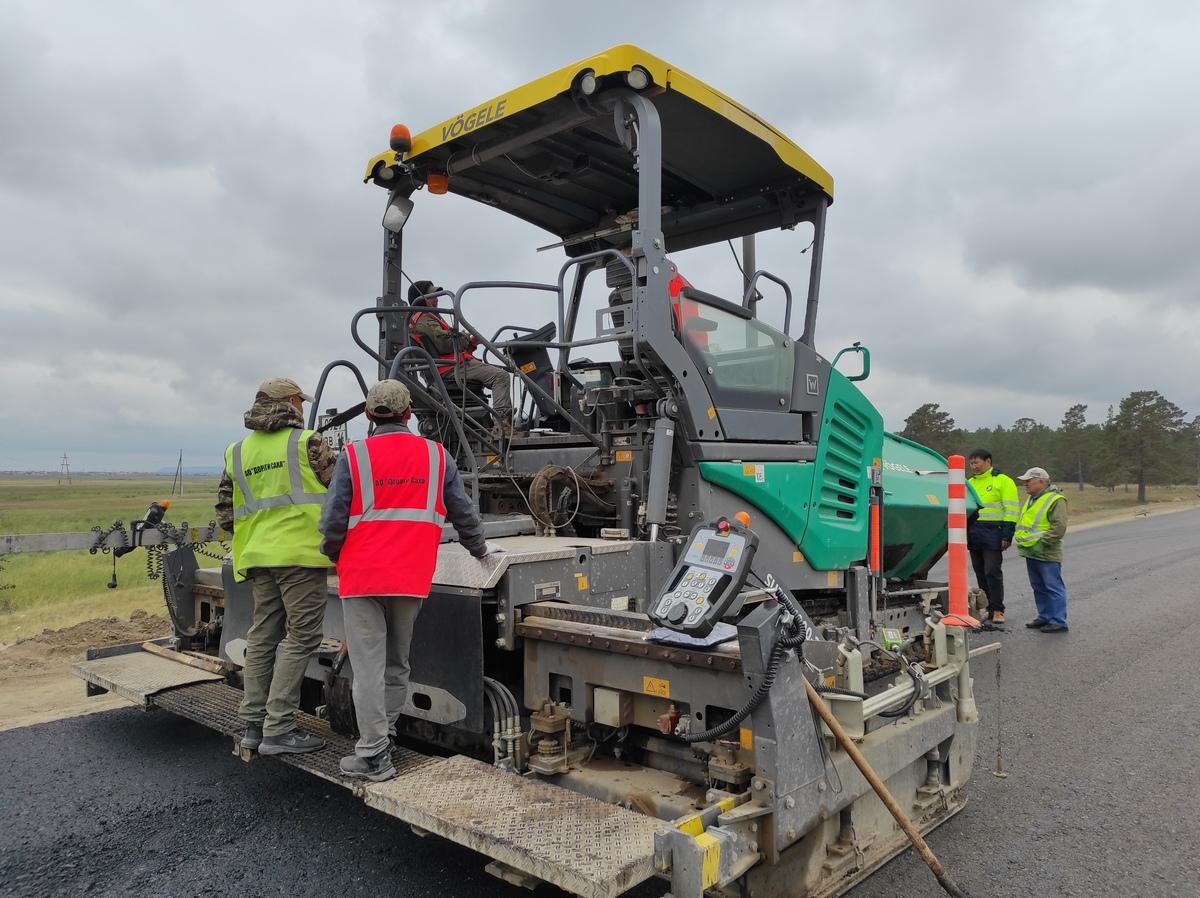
<point x="215" y="705"/>
<point x="588" y="847"/>
<point x="138" y="676"/>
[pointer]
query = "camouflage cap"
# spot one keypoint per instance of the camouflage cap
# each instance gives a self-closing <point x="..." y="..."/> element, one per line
<point x="282" y="388"/>
<point x="388" y="398"/>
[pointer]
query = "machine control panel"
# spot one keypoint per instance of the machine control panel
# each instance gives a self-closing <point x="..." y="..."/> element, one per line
<point x="707" y="579"/>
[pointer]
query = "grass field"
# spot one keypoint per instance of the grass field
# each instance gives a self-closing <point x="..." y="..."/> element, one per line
<point x="60" y="589"/>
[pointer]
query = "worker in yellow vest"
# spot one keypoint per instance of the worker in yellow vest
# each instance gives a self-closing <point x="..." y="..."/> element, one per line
<point x="1039" y="537"/>
<point x="270" y="499"/>
<point x="991" y="532"/>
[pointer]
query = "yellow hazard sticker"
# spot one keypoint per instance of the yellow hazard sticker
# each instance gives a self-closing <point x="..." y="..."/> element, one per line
<point x="710" y="863"/>
<point x="797" y="558"/>
<point x="528" y="366"/>
<point x="623" y="455"/>
<point x="656" y="686"/>
<point x="691" y="825"/>
<point x="580" y="582"/>
<point x="747" y="469"/>
<point x="834" y="578"/>
<point x="933" y="500"/>
<point x="746" y="738"/>
<point x="712" y="413"/>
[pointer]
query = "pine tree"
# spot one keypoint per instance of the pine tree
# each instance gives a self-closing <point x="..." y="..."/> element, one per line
<point x="1072" y="437"/>
<point x="1147" y="427"/>
<point x="930" y="426"/>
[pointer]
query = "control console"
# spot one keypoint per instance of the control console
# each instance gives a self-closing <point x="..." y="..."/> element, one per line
<point x="707" y="579"/>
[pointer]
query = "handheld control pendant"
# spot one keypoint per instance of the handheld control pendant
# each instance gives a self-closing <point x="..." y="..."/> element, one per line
<point x="707" y="579"/>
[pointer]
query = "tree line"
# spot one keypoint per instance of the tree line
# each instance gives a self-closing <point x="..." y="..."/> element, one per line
<point x="1146" y="439"/>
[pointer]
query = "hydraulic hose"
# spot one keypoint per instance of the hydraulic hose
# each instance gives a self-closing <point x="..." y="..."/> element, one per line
<point x="792" y="636"/>
<point x="768" y="680"/>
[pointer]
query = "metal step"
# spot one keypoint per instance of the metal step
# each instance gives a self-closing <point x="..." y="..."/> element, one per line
<point x="138" y="676"/>
<point x="586" y="846"/>
<point x="215" y="705"/>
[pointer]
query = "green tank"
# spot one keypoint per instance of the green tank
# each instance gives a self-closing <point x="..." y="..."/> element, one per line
<point x="914" y="507"/>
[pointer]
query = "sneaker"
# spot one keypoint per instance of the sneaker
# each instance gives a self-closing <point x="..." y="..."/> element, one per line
<point x="252" y="738"/>
<point x="296" y="742"/>
<point x="1037" y="623"/>
<point x="376" y="769"/>
<point x="1054" y="628"/>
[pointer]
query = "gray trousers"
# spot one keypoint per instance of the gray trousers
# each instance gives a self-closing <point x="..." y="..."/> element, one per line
<point x="378" y="634"/>
<point x="495" y="379"/>
<point x="289" y="610"/>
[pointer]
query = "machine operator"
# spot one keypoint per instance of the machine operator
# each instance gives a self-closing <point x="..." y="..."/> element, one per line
<point x="456" y="353"/>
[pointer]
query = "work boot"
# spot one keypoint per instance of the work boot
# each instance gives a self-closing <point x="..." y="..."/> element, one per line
<point x="1037" y="623"/>
<point x="376" y="769"/>
<point x="996" y="617"/>
<point x="252" y="738"/>
<point x="1053" y="628"/>
<point x="297" y="742"/>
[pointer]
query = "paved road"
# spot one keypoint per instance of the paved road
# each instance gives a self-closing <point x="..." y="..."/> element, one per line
<point x="1101" y="735"/>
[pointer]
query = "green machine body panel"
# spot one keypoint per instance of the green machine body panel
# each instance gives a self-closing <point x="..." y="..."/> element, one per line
<point x="914" y="507"/>
<point x="822" y="505"/>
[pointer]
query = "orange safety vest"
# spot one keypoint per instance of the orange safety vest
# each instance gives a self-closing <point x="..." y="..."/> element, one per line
<point x="452" y="357"/>
<point x="396" y="516"/>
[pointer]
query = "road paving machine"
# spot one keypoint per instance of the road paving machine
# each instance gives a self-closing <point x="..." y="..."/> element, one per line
<point x="693" y="528"/>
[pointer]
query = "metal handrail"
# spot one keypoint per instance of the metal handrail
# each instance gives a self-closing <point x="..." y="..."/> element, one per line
<point x="316" y="403"/>
<point x="530" y="385"/>
<point x="787" y="292"/>
<point x="419" y="355"/>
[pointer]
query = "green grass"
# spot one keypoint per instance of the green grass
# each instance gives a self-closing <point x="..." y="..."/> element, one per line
<point x="38" y="504"/>
<point x="1097" y="503"/>
<point x="59" y="589"/>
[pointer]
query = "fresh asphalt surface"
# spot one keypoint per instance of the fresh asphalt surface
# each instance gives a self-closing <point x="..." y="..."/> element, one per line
<point x="1101" y="734"/>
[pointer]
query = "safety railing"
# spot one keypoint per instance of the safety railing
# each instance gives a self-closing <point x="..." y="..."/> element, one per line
<point x="316" y="403"/>
<point x="751" y="296"/>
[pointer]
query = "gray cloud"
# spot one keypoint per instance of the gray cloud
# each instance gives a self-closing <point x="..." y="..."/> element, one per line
<point x="181" y="211"/>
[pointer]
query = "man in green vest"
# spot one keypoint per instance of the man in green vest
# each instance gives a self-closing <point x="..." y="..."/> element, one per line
<point x="1039" y="538"/>
<point x="991" y="532"/>
<point x="270" y="499"/>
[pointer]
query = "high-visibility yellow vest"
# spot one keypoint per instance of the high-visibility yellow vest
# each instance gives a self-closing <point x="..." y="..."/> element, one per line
<point x="277" y="501"/>
<point x="1035" y="520"/>
<point x="997" y="494"/>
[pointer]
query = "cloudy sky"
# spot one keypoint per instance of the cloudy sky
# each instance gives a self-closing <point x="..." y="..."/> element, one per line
<point x="182" y="215"/>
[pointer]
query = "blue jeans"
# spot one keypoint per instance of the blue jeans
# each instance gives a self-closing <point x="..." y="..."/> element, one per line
<point x="1049" y="591"/>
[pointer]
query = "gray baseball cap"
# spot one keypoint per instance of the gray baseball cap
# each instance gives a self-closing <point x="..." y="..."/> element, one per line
<point x="388" y="398"/>
<point x="282" y="388"/>
<point x="1035" y="474"/>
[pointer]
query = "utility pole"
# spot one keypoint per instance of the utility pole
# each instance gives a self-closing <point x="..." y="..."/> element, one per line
<point x="178" y="478"/>
<point x="64" y="470"/>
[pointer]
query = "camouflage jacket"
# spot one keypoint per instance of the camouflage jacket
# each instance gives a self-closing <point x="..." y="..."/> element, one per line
<point x="436" y="338"/>
<point x="269" y="415"/>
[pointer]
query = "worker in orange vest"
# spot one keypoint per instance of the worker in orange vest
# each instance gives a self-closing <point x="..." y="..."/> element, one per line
<point x="382" y="523"/>
<point x="456" y="352"/>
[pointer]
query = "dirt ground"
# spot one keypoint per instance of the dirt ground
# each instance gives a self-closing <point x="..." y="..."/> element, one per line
<point x="35" y="673"/>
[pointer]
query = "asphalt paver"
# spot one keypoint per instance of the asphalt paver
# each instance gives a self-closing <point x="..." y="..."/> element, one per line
<point x="1100" y="730"/>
